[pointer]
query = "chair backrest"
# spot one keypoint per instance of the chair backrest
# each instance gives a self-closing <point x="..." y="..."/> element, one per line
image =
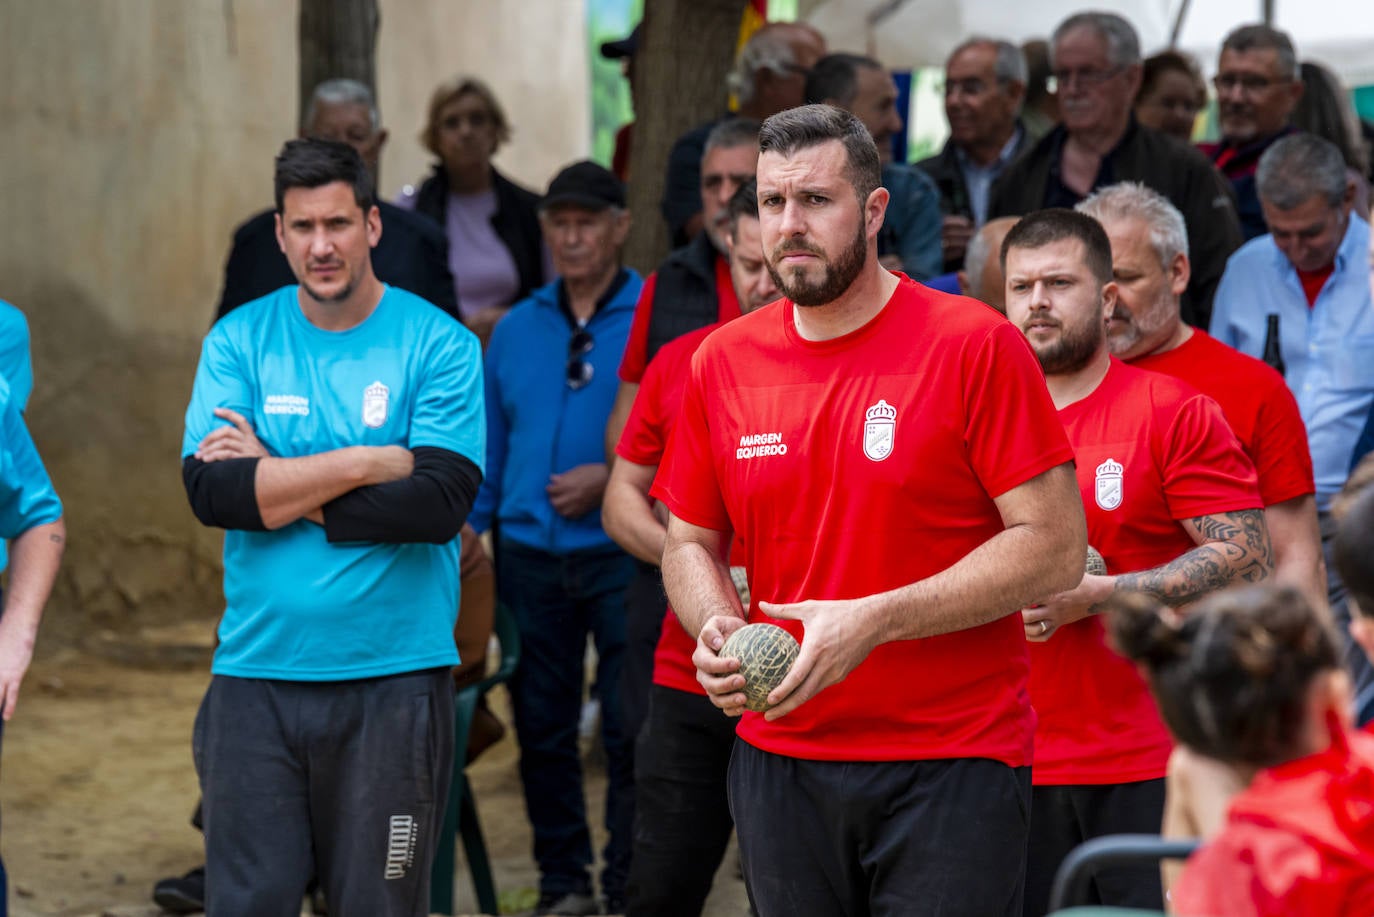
<point x="1075" y="874"/>
<point x="507" y="633"/>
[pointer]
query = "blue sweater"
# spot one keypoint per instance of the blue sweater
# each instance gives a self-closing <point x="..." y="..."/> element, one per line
<point x="538" y="425"/>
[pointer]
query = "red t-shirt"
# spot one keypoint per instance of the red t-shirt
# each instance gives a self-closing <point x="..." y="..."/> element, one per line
<point x="643" y="441"/>
<point x="1313" y="281"/>
<point x="636" y="358"/>
<point x="1150" y="451"/>
<point x="858" y="465"/>
<point x="1258" y="405"/>
<point x="1298" y="842"/>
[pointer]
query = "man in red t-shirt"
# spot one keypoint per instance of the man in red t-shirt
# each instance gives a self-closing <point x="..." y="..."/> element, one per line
<point x="892" y="464"/>
<point x="682" y="820"/>
<point x="1173" y="507"/>
<point x="1150" y="267"/>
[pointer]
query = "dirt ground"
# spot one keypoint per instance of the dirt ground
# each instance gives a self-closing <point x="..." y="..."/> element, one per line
<point x="97" y="785"/>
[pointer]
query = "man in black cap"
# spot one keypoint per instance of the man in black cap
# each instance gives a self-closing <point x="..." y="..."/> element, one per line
<point x="550" y="382"/>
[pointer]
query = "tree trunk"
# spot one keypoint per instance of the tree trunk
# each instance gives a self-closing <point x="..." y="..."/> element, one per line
<point x="688" y="47"/>
<point x="338" y="38"/>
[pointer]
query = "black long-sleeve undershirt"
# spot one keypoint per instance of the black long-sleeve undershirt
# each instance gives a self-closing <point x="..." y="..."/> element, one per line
<point x="429" y="506"/>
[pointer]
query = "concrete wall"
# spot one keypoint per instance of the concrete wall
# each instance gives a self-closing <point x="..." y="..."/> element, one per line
<point x="137" y="134"/>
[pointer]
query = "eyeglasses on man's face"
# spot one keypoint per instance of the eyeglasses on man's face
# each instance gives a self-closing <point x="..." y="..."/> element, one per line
<point x="1252" y="84"/>
<point x="1084" y="77"/>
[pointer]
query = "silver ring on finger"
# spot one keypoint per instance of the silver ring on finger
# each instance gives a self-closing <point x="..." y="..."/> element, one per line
<point x="1044" y="627"/>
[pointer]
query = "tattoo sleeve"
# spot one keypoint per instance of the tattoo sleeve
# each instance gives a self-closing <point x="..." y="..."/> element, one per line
<point x="1232" y="547"/>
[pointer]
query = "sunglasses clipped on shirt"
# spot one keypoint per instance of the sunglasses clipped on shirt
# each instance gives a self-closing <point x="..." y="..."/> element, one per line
<point x="579" y="371"/>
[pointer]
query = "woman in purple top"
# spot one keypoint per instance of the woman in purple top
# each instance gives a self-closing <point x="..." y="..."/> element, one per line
<point x="495" y="247"/>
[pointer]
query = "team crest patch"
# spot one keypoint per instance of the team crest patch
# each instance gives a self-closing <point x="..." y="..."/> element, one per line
<point x="1108" y="484"/>
<point x="880" y="430"/>
<point x="376" y="398"/>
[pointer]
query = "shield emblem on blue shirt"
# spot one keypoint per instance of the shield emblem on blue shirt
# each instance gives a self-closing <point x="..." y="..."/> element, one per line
<point x="375" y="399"/>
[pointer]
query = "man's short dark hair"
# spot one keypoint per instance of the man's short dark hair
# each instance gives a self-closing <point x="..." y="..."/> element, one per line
<point x="1298" y="167"/>
<point x="1260" y="37"/>
<point x="312" y="163"/>
<point x="743" y="203"/>
<point x="731" y="133"/>
<point x="811" y="125"/>
<point x="1055" y="224"/>
<point x="835" y="77"/>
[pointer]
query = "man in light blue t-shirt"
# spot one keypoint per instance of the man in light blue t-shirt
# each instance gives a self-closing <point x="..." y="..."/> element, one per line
<point x="336" y="430"/>
<point x="31" y="515"/>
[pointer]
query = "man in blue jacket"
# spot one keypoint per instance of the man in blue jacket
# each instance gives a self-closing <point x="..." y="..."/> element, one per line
<point x="550" y="383"/>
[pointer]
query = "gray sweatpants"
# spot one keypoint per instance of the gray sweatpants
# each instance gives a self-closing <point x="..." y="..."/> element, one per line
<point x="344" y="781"/>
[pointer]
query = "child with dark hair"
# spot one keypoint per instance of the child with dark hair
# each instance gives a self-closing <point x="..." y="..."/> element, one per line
<point x="1253" y="678"/>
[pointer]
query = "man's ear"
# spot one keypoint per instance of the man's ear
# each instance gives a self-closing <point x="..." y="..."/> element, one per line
<point x="1180" y="272"/>
<point x="374" y="226"/>
<point x="962" y="276"/>
<point x="1110" y="295"/>
<point x="875" y="211"/>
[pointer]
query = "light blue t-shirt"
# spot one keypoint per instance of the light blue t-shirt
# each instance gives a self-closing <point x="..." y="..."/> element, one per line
<point x="27" y="497"/>
<point x="1328" y="349"/>
<point x="297" y="607"/>
<point x="16" y="368"/>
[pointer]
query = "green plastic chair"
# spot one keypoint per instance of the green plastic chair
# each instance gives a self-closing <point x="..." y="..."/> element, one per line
<point x="461" y="815"/>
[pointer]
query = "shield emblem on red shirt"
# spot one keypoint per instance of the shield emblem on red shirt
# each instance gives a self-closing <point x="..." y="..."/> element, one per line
<point x="880" y="430"/>
<point x="1108" y="484"/>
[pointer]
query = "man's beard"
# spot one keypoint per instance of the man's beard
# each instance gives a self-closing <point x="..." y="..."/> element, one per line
<point x="837" y="278"/>
<point x="1074" y="350"/>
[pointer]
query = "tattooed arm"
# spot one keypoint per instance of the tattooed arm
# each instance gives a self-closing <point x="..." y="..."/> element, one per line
<point x="1231" y="548"/>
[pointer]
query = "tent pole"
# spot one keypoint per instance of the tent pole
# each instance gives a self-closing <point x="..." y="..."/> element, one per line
<point x="1178" y="23"/>
<point x="1268" y="11"/>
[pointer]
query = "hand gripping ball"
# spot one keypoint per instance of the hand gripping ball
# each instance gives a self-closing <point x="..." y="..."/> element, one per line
<point x="765" y="653"/>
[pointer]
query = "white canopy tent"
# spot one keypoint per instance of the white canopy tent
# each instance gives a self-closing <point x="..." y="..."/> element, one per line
<point x="908" y="34"/>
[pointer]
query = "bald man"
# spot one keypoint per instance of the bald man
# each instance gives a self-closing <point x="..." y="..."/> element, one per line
<point x="981" y="276"/>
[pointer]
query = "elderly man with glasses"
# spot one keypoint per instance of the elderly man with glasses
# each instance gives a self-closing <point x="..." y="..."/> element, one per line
<point x="1258" y="85"/>
<point x="550" y="383"/>
<point x="1095" y="58"/>
<point x="985" y="85"/>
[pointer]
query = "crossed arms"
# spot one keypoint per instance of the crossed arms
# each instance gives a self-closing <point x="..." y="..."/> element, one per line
<point x="358" y="493"/>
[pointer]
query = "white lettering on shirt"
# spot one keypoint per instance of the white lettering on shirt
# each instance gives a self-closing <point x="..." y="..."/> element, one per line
<point x="287" y="404"/>
<point x="758" y="445"/>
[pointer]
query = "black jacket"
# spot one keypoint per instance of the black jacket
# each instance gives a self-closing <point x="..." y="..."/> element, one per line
<point x="516" y="222"/>
<point x="943" y="169"/>
<point x="412" y="255"/>
<point x="685" y="297"/>
<point x="1174" y="169"/>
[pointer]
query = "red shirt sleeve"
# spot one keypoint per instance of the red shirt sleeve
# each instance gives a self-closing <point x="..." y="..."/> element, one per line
<point x="636" y="357"/>
<point x="1283" y="460"/>
<point x="1013" y="432"/>
<point x="687" y="481"/>
<point x="1204" y="467"/>
<point x="646" y="432"/>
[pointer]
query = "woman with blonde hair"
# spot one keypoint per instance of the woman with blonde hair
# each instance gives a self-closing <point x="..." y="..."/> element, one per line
<point x="495" y="246"/>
